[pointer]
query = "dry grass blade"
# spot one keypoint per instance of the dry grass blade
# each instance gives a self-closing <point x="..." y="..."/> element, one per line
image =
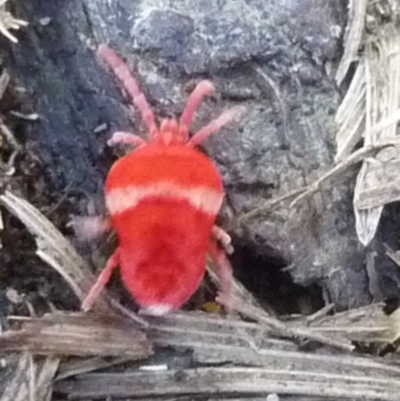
<point x="378" y="182"/>
<point x="356" y="157"/>
<point x="16" y="389"/>
<point x="298" y="333"/>
<point x="4" y="81"/>
<point x="368" y="324"/>
<point x="355" y="28"/>
<point x="70" y="368"/>
<point x="232" y="380"/>
<point x="216" y="340"/>
<point x="227" y="339"/>
<point x="44" y="380"/>
<point x="55" y="250"/>
<point x="76" y="334"/>
<point x="7" y="22"/>
<point x="350" y="116"/>
<point x="32" y="380"/>
<point x="53" y="247"/>
<point x="9" y="136"/>
<point x="270" y="204"/>
<point x="395" y="318"/>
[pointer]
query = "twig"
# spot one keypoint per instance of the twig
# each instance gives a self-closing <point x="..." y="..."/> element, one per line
<point x="320" y="314"/>
<point x="285" y="330"/>
<point x="354" y="158"/>
<point x="70" y="368"/>
<point x="268" y="205"/>
<point x="307" y="191"/>
<point x="9" y="136"/>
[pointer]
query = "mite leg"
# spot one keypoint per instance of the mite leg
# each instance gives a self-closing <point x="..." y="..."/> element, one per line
<point x="126" y="138"/>
<point x="223" y="238"/>
<point x="225" y="118"/>
<point x="101" y="282"/>
<point x="130" y="84"/>
<point x="203" y="88"/>
<point x="225" y="276"/>
<point x="90" y="227"/>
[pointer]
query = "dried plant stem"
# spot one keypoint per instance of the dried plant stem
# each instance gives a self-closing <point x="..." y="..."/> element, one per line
<point x="354" y="158"/>
<point x="268" y="205"/>
<point x="287" y="331"/>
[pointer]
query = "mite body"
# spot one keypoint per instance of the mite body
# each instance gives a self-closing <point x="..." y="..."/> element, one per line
<point x="163" y="199"/>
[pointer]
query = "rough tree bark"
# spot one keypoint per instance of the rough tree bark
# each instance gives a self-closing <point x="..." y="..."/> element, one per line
<point x="274" y="57"/>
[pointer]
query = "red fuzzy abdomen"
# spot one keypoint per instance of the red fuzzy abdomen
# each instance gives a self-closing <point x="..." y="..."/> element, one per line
<point x="163" y="247"/>
<point x="163" y="202"/>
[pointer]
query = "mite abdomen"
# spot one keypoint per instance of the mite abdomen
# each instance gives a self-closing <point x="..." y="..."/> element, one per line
<point x="163" y="246"/>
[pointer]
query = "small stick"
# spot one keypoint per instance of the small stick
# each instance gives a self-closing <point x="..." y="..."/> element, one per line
<point x="291" y="332"/>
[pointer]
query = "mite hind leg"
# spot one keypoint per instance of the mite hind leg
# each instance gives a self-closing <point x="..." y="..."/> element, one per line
<point x="89" y="228"/>
<point x="225" y="276"/>
<point x="101" y="281"/>
<point x="223" y="238"/>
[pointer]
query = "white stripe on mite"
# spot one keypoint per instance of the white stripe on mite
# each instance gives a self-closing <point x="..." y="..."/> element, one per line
<point x="202" y="198"/>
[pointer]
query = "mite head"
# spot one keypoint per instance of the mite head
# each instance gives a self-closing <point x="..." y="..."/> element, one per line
<point x="171" y="132"/>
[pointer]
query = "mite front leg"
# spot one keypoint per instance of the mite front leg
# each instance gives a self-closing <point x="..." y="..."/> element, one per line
<point x="203" y="89"/>
<point x="101" y="282"/>
<point x="224" y="119"/>
<point x="126" y="138"/>
<point x="130" y="84"/>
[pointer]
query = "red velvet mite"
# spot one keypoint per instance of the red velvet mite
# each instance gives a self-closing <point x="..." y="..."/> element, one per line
<point x="163" y="199"/>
